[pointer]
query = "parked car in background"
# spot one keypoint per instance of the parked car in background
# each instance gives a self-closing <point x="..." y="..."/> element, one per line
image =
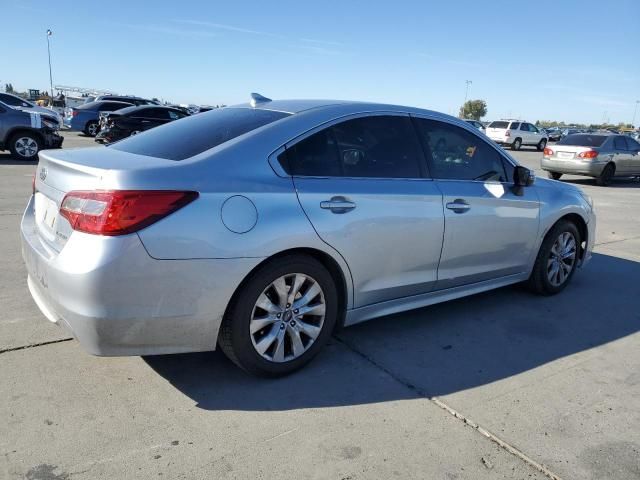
<point x="602" y="156"/>
<point x="263" y="227"/>
<point x="516" y="133"/>
<point x="133" y="120"/>
<point x="570" y="131"/>
<point x="22" y="104"/>
<point x="554" y="134"/>
<point x="25" y="132"/>
<point x="125" y="98"/>
<point x="476" y="124"/>
<point x="85" y="117"/>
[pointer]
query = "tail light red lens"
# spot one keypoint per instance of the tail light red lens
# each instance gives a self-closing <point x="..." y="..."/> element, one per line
<point x="547" y="152"/>
<point x="588" y="154"/>
<point x="33" y="183"/>
<point x="74" y="113"/>
<point x="119" y="212"/>
<point x="507" y="133"/>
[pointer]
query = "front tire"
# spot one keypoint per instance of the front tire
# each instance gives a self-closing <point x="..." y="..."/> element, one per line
<point x="555" y="175"/>
<point x="280" y="317"/>
<point x="25" y="146"/>
<point x="557" y="259"/>
<point x="517" y="143"/>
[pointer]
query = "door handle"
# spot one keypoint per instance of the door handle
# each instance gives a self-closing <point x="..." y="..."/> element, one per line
<point x="458" y="206"/>
<point x="338" y="205"/>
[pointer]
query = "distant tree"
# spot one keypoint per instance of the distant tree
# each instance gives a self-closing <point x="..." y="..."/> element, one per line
<point x="473" y="109"/>
<point x="8" y="88"/>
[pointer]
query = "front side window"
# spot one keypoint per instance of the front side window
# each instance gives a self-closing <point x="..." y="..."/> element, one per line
<point x="457" y="154"/>
<point x="632" y="145"/>
<point x="373" y="147"/>
<point x="619" y="143"/>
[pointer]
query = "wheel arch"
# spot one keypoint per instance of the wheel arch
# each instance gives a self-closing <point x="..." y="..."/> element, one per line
<point x="581" y="224"/>
<point x="22" y="129"/>
<point x="337" y="272"/>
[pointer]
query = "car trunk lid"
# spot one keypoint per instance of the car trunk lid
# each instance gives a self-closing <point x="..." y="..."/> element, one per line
<point x="569" y="152"/>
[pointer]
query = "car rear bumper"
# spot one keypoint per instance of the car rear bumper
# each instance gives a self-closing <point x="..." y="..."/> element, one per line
<point x="117" y="300"/>
<point x="577" y="167"/>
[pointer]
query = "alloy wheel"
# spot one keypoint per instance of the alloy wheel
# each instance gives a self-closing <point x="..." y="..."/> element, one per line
<point x="26" y="147"/>
<point x="562" y="259"/>
<point x="92" y="129"/>
<point x="287" y="317"/>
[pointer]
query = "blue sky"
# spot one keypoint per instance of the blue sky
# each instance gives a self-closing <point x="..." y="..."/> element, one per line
<point x="564" y="60"/>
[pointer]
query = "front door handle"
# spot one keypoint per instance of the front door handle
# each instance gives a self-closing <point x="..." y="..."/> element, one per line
<point x="338" y="205"/>
<point x="458" y="206"/>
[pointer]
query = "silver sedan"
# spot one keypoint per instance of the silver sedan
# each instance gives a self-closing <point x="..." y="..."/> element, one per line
<point x="599" y="155"/>
<point x="263" y="227"/>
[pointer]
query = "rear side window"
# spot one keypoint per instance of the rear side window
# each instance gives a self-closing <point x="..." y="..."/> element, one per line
<point x="515" y="126"/>
<point x="581" y="140"/>
<point x="619" y="143"/>
<point x="373" y="147"/>
<point x="111" y="106"/>
<point x="196" y="134"/>
<point x="499" y="125"/>
<point x="456" y="154"/>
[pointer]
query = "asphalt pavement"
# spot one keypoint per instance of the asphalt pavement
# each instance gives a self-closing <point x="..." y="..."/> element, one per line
<point x="501" y="385"/>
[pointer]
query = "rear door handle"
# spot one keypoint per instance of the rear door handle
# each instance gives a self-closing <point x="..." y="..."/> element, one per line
<point x="338" y="205"/>
<point x="458" y="206"/>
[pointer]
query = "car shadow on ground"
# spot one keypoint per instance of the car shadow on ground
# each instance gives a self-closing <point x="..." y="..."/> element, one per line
<point x="444" y="348"/>
<point x="7" y="159"/>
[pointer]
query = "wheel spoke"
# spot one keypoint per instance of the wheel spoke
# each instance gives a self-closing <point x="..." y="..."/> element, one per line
<point x="266" y="341"/>
<point x="309" y="330"/>
<point x="259" y="323"/>
<point x="296" y="342"/>
<point x="280" y="286"/>
<point x="317" y="309"/>
<point x="278" y="354"/>
<point x="265" y="304"/>
<point x="309" y="295"/>
<point x="298" y="281"/>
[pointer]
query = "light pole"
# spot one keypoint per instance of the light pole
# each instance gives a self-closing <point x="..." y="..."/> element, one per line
<point x="466" y="94"/>
<point x="49" y="33"/>
<point x="635" y="110"/>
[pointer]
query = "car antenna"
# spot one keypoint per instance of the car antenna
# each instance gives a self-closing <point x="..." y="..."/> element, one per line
<point x="256" y="98"/>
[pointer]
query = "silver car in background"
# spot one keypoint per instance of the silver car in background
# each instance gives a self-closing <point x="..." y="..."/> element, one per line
<point x="263" y="227"/>
<point x="599" y="155"/>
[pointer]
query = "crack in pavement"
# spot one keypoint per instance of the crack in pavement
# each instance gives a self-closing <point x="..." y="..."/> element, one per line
<point x="479" y="428"/>
<point x="33" y="345"/>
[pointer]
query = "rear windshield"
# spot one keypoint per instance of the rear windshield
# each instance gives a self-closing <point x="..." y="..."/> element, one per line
<point x="499" y="125"/>
<point x="193" y="135"/>
<point x="580" y="140"/>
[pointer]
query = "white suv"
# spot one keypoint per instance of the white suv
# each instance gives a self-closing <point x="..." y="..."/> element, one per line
<point x="516" y="133"/>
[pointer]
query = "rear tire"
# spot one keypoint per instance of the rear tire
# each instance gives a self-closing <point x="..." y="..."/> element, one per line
<point x="557" y="259"/>
<point x="91" y="128"/>
<point x="607" y="175"/>
<point x="25" y="146"/>
<point x="517" y="143"/>
<point x="555" y="175"/>
<point x="257" y="351"/>
<point x="542" y="145"/>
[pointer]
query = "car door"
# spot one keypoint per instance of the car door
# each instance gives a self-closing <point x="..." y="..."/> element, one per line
<point x="151" y="117"/>
<point x="633" y="149"/>
<point x="490" y="227"/>
<point x="362" y="183"/>
<point x="621" y="156"/>
<point x="526" y="134"/>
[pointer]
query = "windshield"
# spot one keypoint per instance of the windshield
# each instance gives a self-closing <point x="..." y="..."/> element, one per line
<point x="579" y="140"/>
<point x="193" y="135"/>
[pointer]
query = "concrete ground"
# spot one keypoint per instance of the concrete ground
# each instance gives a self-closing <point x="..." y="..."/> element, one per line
<point x="499" y="385"/>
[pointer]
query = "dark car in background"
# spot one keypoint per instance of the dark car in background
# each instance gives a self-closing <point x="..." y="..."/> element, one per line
<point x="554" y="133"/>
<point x="132" y="120"/>
<point x="123" y="98"/>
<point x="85" y="117"/>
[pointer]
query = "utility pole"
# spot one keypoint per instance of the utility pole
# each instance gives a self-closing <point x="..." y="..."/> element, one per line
<point x="49" y="33"/>
<point x="466" y="95"/>
<point x="635" y="110"/>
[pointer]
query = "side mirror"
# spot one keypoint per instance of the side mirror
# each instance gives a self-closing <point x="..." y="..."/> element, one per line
<point x="523" y="177"/>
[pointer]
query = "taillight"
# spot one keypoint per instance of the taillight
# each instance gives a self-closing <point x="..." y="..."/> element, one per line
<point x="33" y="183"/>
<point x="547" y="152"/>
<point x="119" y="212"/>
<point x="588" y="154"/>
<point x="74" y="113"/>
<point x="507" y="133"/>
